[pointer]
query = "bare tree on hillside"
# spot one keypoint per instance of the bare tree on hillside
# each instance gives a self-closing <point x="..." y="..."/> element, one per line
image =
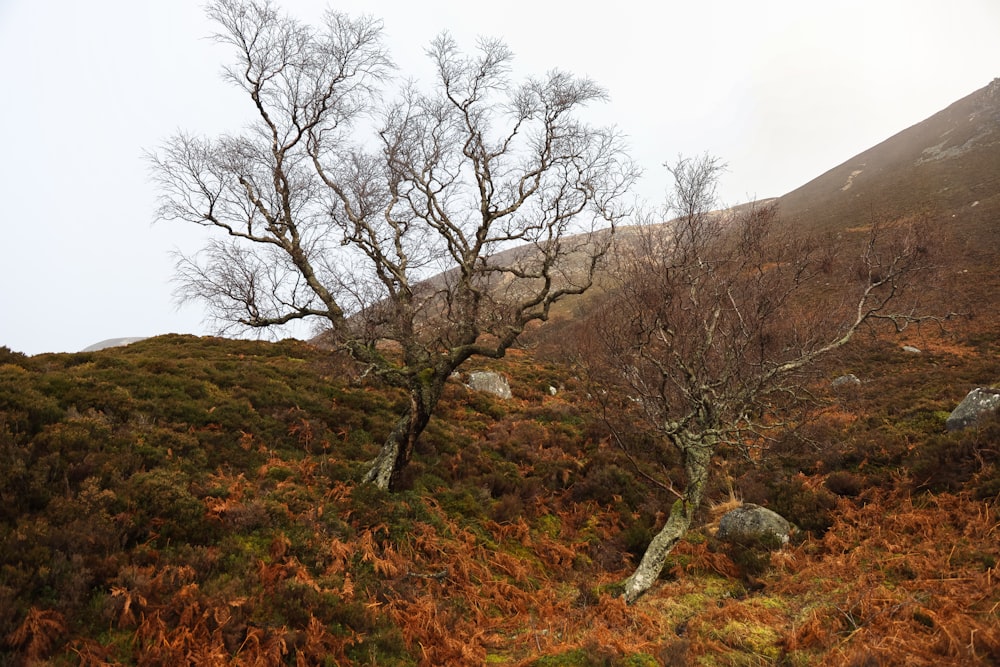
<point x="713" y="320"/>
<point x="320" y="220"/>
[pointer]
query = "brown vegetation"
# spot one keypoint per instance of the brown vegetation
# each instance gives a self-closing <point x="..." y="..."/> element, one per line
<point x="194" y="500"/>
<point x="201" y="508"/>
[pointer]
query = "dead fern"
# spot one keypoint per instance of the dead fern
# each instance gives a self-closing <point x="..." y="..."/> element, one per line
<point x="129" y="602"/>
<point x="38" y="633"/>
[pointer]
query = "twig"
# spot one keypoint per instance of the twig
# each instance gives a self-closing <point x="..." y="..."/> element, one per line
<point x="628" y="455"/>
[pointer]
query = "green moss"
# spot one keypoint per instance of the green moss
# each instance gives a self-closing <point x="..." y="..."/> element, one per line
<point x="695" y="537"/>
<point x="721" y="587"/>
<point x="758" y="640"/>
<point x="549" y="525"/>
<point x="575" y="658"/>
<point x="593" y="656"/>
<point x="772" y="603"/>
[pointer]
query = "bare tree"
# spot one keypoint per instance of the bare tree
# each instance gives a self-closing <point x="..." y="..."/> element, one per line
<point x="422" y="231"/>
<point x="715" y="317"/>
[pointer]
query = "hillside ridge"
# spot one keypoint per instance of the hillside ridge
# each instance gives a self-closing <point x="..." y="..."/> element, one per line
<point x="946" y="162"/>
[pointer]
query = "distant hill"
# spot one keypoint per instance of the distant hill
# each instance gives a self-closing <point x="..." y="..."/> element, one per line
<point x="943" y="172"/>
<point x="112" y="342"/>
<point x="946" y="164"/>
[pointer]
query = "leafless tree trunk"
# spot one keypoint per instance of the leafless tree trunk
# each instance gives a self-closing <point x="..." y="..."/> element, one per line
<point x="715" y="316"/>
<point x="423" y="227"/>
<point x="398" y="446"/>
<point x="696" y="454"/>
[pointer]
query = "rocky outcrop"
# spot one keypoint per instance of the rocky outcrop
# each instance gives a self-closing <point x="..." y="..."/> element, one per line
<point x="978" y="402"/>
<point x="749" y="523"/>
<point x="489" y="382"/>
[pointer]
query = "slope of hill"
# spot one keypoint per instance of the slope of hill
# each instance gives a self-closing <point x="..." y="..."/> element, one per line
<point x="947" y="165"/>
<point x="192" y="501"/>
<point x="943" y="173"/>
<point x="188" y="500"/>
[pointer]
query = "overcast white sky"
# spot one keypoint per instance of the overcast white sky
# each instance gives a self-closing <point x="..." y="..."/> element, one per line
<point x="782" y="90"/>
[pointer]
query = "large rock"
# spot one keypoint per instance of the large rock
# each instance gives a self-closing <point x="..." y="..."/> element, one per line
<point x="489" y="382"/>
<point x="849" y="380"/>
<point x="977" y="402"/>
<point x="751" y="523"/>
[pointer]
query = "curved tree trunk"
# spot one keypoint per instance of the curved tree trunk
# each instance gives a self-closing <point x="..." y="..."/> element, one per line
<point x="398" y="446"/>
<point x="697" y="453"/>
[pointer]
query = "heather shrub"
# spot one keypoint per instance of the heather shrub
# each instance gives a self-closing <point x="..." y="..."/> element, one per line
<point x="808" y="507"/>
<point x="165" y="509"/>
<point x="844" y="483"/>
<point x="24" y="409"/>
<point x="752" y="558"/>
<point x="948" y="461"/>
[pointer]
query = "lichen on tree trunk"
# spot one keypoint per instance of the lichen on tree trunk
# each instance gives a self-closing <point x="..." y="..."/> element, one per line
<point x="425" y="390"/>
<point x="697" y="454"/>
<point x="393" y="455"/>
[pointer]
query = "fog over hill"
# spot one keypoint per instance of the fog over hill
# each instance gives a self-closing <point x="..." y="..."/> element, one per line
<point x="112" y="342"/>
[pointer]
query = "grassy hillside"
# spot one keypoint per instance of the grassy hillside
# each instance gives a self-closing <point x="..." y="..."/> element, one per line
<point x="193" y="501"/>
<point x="186" y="500"/>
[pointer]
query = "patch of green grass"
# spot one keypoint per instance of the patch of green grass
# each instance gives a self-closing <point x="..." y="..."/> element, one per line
<point x="759" y="641"/>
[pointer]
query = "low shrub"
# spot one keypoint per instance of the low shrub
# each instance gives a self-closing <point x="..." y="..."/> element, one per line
<point x="808" y="506"/>
<point x="844" y="483"/>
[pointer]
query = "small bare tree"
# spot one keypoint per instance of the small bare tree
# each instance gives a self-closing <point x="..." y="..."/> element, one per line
<point x="461" y="217"/>
<point x="714" y="318"/>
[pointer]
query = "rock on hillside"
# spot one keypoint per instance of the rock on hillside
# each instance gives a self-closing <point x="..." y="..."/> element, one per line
<point x="976" y="404"/>
<point x="489" y="382"/>
<point x="751" y="523"/>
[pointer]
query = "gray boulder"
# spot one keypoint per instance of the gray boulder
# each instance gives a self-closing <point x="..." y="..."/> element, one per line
<point x="844" y="381"/>
<point x="976" y="403"/>
<point x="489" y="382"/>
<point x="750" y="523"/>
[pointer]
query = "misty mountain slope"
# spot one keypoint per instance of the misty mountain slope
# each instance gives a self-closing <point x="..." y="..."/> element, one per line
<point x="943" y="171"/>
<point x="946" y="164"/>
